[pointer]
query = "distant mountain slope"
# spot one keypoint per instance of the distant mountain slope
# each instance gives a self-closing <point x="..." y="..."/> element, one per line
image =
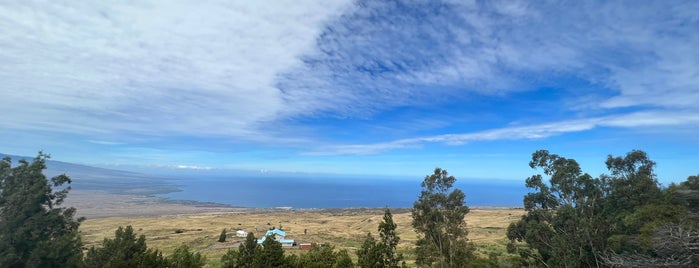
<point x="94" y="178"/>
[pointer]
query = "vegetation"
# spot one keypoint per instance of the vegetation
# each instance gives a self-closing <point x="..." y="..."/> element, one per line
<point x="222" y="236"/>
<point x="322" y="257"/>
<point x="621" y="219"/>
<point x="34" y="230"/>
<point x="438" y="215"/>
<point x="616" y="220"/>
<point x="381" y="253"/>
<point x="125" y="250"/>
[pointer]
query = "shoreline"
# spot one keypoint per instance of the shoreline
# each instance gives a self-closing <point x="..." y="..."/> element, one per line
<point x="93" y="204"/>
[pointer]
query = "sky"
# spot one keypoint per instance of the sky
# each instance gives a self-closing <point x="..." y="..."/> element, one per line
<point x="351" y="87"/>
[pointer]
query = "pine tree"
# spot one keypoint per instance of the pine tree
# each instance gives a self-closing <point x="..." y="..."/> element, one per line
<point x="247" y="252"/>
<point x="389" y="240"/>
<point x="271" y="254"/>
<point x="34" y="229"/>
<point x="222" y="237"/>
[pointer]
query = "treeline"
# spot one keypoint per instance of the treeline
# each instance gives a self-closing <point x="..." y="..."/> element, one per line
<point x="621" y="219"/>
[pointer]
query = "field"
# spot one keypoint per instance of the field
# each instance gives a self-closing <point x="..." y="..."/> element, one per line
<point x="343" y="228"/>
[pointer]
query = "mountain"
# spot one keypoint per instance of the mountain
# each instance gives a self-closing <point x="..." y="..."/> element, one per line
<point x="111" y="180"/>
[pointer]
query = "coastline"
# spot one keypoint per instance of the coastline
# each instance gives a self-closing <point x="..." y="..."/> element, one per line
<point x="95" y="204"/>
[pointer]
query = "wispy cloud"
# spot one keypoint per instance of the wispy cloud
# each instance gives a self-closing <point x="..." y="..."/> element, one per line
<point x="253" y="71"/>
<point x="164" y="68"/>
<point x="388" y="54"/>
<point x="529" y="132"/>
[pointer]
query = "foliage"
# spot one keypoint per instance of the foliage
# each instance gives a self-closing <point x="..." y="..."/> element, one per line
<point x="561" y="223"/>
<point x="271" y="254"/>
<point x="318" y="257"/>
<point x="370" y="254"/>
<point x="230" y="259"/>
<point x="182" y="258"/>
<point x="343" y="260"/>
<point x="381" y="253"/>
<point x="323" y="257"/>
<point x="222" y="236"/>
<point x="34" y="230"/>
<point x="124" y="250"/>
<point x="575" y="220"/>
<point x="438" y="216"/>
<point x="247" y="252"/>
<point x="389" y="239"/>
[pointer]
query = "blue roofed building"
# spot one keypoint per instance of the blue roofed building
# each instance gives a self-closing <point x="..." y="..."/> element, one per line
<point x="279" y="236"/>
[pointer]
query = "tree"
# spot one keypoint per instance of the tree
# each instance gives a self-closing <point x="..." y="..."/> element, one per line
<point x="182" y="258"/>
<point x="389" y="240"/>
<point x="370" y="254"/>
<point x="692" y="183"/>
<point x="321" y="257"/>
<point x="222" y="237"/>
<point x="343" y="260"/>
<point x="562" y="224"/>
<point x="247" y="252"/>
<point x="271" y="254"/>
<point x="34" y="229"/>
<point x="664" y="233"/>
<point x="575" y="220"/>
<point x="381" y="253"/>
<point x="124" y="250"/>
<point x="438" y="216"/>
<point x="230" y="259"/>
<point x="631" y="190"/>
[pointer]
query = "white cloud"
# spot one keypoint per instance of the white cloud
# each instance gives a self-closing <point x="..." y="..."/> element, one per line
<point x="241" y="69"/>
<point x="182" y="68"/>
<point x="529" y="132"/>
<point x="383" y="55"/>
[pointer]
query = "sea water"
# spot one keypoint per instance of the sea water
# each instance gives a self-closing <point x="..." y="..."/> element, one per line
<point x="335" y="192"/>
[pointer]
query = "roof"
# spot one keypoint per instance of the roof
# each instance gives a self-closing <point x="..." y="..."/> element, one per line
<point x="275" y="231"/>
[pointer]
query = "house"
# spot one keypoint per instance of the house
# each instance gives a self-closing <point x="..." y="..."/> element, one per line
<point x="279" y="236"/>
<point x="241" y="233"/>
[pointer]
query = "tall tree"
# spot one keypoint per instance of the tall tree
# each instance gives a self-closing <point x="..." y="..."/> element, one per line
<point x="247" y="252"/>
<point x="389" y="240"/>
<point x="381" y="253"/>
<point x="222" y="236"/>
<point x="34" y="230"/>
<point x="370" y="254"/>
<point x="271" y="254"/>
<point x="562" y="223"/>
<point x="438" y="216"/>
<point x="631" y="190"/>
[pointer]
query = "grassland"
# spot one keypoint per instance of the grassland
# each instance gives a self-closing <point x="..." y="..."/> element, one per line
<point x="343" y="228"/>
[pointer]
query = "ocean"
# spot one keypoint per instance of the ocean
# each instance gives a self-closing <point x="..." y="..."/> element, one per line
<point x="334" y="192"/>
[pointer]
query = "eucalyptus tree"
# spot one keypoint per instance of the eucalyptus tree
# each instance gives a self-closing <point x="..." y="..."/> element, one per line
<point x="563" y="226"/>
<point x="438" y="218"/>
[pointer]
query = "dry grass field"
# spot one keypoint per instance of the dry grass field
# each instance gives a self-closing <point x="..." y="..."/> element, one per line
<point x="343" y="228"/>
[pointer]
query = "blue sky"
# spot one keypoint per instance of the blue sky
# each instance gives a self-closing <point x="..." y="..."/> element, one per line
<point x="352" y="87"/>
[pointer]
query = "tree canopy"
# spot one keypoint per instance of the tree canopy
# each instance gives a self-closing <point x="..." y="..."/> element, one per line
<point x="381" y="253"/>
<point x="34" y="229"/>
<point x="575" y="220"/>
<point x="438" y="217"/>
